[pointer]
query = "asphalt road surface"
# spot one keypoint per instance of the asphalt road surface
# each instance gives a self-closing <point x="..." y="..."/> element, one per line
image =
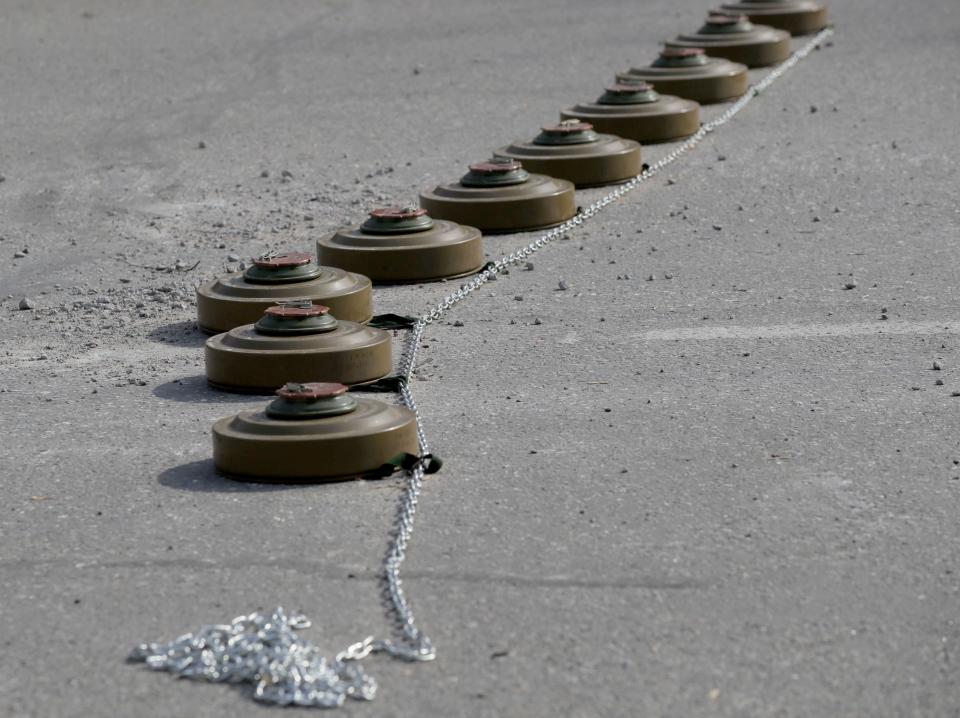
<point x="710" y="481"/>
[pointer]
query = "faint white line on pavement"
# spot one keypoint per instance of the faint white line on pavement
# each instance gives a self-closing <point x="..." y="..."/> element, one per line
<point x="801" y="331"/>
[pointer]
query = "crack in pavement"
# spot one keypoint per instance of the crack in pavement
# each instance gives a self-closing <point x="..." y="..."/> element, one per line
<point x="344" y="573"/>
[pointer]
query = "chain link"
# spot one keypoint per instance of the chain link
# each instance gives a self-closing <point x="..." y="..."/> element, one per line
<point x="263" y="649"/>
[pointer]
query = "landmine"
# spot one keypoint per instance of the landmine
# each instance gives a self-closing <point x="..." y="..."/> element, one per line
<point x="735" y="38"/>
<point x="312" y="433"/>
<point x="404" y="244"/>
<point x="635" y="111"/>
<point x="688" y="72"/>
<point x="798" y="17"/>
<point x="237" y="299"/>
<point x="299" y="342"/>
<point x="501" y="196"/>
<point x="572" y="151"/>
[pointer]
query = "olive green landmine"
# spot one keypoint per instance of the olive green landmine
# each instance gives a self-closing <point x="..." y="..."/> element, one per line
<point x="237" y="299"/>
<point x="501" y="196"/>
<point x="313" y="433"/>
<point x="636" y="111"/>
<point x="734" y="37"/>
<point x="300" y="342"/>
<point x="573" y="151"/>
<point x="690" y="73"/>
<point x="404" y="244"/>
<point x="798" y="17"/>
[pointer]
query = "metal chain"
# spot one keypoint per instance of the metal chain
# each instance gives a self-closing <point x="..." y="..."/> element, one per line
<point x="263" y="648"/>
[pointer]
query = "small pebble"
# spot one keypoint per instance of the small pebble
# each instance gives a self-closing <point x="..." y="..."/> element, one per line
<point x="286" y="174"/>
<point x="233" y="257"/>
<point x="562" y="286"/>
<point x="201" y="145"/>
<point x="528" y="266"/>
<point x="955" y="393"/>
<point x="19" y="255"/>
<point x="26" y="303"/>
<point x="717" y="227"/>
<point x="937" y="366"/>
<point x="458" y="323"/>
<point x="850" y="285"/>
<point x="813" y="108"/>
<point x="265" y="173"/>
<point x="938" y="382"/>
<point x="518" y="298"/>
<point x="537" y="322"/>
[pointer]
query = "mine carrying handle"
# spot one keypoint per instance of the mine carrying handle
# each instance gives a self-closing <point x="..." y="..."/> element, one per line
<point x="387" y="385"/>
<point x="392" y="321"/>
<point x="407" y="462"/>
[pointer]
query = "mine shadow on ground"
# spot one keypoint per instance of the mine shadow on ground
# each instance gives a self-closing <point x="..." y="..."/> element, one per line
<point x="195" y="390"/>
<point x="181" y="334"/>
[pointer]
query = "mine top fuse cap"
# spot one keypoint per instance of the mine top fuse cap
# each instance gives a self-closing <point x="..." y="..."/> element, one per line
<point x="311" y="400"/>
<point x="397" y="220"/>
<point x="298" y="316"/>
<point x="628" y="93"/>
<point x="495" y="172"/>
<point x="681" y="57"/>
<point x="279" y="268"/>
<point x="567" y="132"/>
<point x="719" y="22"/>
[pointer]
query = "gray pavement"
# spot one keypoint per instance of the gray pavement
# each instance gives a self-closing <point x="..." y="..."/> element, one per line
<point x="730" y="490"/>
